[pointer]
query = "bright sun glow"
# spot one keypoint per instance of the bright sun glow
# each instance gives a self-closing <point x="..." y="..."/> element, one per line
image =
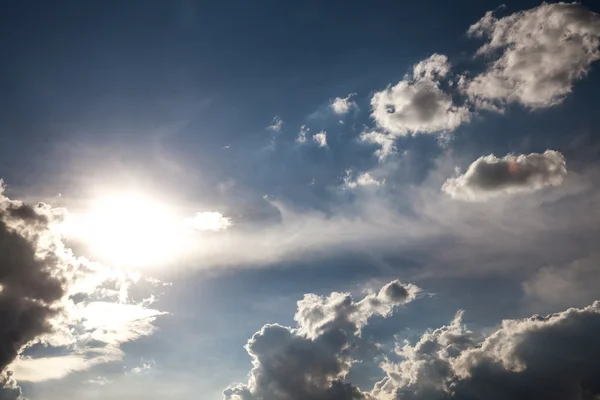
<point x="130" y="230"/>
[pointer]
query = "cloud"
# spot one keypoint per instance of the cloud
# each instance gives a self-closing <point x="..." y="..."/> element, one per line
<point x="385" y="142"/>
<point x="39" y="277"/>
<point x="311" y="361"/>
<point x="364" y="179"/>
<point x="343" y="105"/>
<point x="417" y="104"/>
<point x="302" y="134"/>
<point x="209" y="221"/>
<point x="538" y="55"/>
<point x="33" y="277"/>
<point x="321" y="139"/>
<point x="552" y="357"/>
<point x="491" y="176"/>
<point x="276" y="124"/>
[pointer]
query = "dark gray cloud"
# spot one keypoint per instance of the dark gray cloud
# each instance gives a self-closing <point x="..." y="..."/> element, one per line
<point x="30" y="287"/>
<point x="490" y="176"/>
<point x="311" y="361"/>
<point x="538" y="55"/>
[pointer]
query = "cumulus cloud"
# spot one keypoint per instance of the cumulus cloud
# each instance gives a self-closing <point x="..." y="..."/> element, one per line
<point x="343" y="105"/>
<point x="38" y="278"/>
<point x="276" y="124"/>
<point x="209" y="221"/>
<point x="311" y="361"/>
<point x="552" y="357"/>
<point x="321" y="139"/>
<point x="418" y="104"/>
<point x="490" y="176"/>
<point x="302" y="134"/>
<point x="538" y="55"/>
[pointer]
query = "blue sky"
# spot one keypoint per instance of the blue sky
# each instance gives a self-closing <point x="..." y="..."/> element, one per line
<point x="202" y="166"/>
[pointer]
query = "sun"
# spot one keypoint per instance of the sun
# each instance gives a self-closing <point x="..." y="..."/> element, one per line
<point x="130" y="230"/>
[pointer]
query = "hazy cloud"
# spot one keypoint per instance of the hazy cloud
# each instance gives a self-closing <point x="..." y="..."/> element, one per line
<point x="417" y="104"/>
<point x="570" y="285"/>
<point x="276" y="124"/>
<point x="538" y="55"/>
<point x="490" y="176"/>
<point x="302" y="134"/>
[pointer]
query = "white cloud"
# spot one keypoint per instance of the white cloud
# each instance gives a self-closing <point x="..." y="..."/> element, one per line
<point x="417" y="104"/>
<point x="491" y="176"/>
<point x="542" y="52"/>
<point x="321" y="139"/>
<point x="364" y="179"/>
<point x="276" y="124"/>
<point x="343" y="105"/>
<point x="209" y="221"/>
<point x="302" y="135"/>
<point x="386" y="143"/>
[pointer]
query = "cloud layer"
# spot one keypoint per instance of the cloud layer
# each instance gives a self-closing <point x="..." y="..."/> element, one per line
<point x="491" y="176"/>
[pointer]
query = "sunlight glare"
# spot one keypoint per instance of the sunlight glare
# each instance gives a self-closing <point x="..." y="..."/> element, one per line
<point x="131" y="230"/>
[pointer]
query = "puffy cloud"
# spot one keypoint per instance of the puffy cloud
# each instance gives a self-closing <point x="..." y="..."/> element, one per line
<point x="417" y="104"/>
<point x="321" y="139"/>
<point x="343" y="105"/>
<point x="541" y="53"/>
<point x="426" y="366"/>
<point x="276" y="124"/>
<point x="209" y="221"/>
<point x="302" y="134"/>
<point x="311" y="361"/>
<point x="385" y="142"/>
<point x="490" y="176"/>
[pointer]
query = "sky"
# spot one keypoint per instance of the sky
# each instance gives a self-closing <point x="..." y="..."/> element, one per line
<point x="299" y="200"/>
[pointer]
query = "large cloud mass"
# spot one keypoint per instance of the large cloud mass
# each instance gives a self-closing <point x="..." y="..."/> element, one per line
<point x="39" y="277"/>
<point x="553" y="357"/>
<point x="540" y="53"/>
<point x="490" y="176"/>
<point x="418" y="104"/>
<point x="311" y="361"/>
